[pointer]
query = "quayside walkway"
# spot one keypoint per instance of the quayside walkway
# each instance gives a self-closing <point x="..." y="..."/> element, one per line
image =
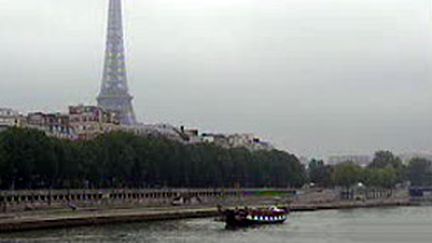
<point x="133" y="205"/>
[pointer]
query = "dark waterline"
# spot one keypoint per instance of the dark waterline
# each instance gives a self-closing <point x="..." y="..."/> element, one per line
<point x="403" y="224"/>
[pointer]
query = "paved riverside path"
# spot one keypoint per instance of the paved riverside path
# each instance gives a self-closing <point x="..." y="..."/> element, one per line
<point x="56" y="218"/>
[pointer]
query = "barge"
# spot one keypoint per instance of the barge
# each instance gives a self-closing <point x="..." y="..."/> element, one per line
<point x="254" y="216"/>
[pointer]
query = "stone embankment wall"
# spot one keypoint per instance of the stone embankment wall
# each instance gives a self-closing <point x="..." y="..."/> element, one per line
<point x="43" y="199"/>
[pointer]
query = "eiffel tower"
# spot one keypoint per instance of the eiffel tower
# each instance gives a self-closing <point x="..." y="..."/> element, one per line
<point x="114" y="94"/>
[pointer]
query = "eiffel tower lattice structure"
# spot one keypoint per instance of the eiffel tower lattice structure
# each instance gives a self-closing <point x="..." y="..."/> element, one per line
<point x="114" y="93"/>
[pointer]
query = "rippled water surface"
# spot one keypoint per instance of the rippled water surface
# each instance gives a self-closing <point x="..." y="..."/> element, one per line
<point x="403" y="224"/>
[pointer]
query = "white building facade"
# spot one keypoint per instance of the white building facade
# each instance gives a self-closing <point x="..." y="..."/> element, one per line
<point x="10" y="118"/>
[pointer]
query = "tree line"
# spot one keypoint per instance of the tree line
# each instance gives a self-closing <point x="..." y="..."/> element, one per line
<point x="31" y="160"/>
<point x="385" y="171"/>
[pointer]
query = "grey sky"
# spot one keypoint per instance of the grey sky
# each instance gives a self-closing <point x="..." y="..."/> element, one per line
<point x="316" y="77"/>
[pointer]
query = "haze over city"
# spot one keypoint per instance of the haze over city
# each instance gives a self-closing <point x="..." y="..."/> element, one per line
<point x="315" y="77"/>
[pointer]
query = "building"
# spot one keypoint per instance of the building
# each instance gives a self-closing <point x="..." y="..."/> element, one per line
<point x="81" y="122"/>
<point x="215" y="138"/>
<point x="361" y="160"/>
<point x="36" y="120"/>
<point x="89" y="122"/>
<point x="239" y="140"/>
<point x="114" y="94"/>
<point x="191" y="135"/>
<point x="10" y="118"/>
<point x="248" y="141"/>
<point x="53" y="124"/>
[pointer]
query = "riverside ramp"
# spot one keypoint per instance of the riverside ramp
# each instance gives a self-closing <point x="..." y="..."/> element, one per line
<point x="66" y="218"/>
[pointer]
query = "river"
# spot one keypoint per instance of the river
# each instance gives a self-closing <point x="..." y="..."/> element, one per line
<point x="402" y="224"/>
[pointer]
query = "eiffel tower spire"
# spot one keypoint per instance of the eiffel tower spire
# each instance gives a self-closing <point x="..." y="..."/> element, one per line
<point x="114" y="93"/>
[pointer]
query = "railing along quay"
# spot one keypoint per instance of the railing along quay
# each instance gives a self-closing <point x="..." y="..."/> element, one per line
<point x="32" y="199"/>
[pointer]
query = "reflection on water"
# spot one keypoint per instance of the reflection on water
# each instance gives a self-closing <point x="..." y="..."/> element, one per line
<point x="360" y="225"/>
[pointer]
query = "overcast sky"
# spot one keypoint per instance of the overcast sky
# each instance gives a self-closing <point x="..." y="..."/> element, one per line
<point x="315" y="77"/>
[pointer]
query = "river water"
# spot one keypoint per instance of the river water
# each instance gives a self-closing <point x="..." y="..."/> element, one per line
<point x="402" y="224"/>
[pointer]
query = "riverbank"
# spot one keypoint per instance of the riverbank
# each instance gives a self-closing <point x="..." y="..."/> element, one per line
<point x="59" y="218"/>
<point x="391" y="225"/>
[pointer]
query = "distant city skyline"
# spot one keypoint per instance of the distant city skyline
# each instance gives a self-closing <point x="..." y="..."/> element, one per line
<point x="317" y="78"/>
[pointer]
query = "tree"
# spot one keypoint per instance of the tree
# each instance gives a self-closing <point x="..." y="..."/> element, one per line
<point x="319" y="173"/>
<point x="385" y="159"/>
<point x="388" y="177"/>
<point x="381" y="178"/>
<point x="419" y="172"/>
<point x="29" y="159"/>
<point x="3" y="161"/>
<point x="346" y="174"/>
